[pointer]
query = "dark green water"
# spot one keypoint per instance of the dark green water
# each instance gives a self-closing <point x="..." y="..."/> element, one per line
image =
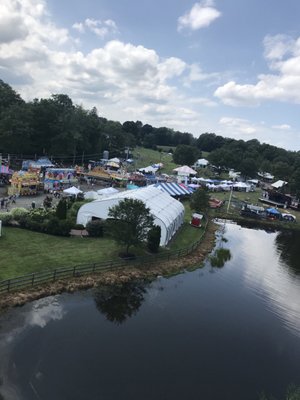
<point x="211" y="334"/>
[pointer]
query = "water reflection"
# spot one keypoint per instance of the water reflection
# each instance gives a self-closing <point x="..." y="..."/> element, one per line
<point x="266" y="265"/>
<point x="118" y="303"/>
<point x="289" y="250"/>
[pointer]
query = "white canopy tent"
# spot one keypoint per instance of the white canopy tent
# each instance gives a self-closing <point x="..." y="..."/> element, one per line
<point x="185" y="170"/>
<point x="91" y="195"/>
<point x="72" y="191"/>
<point x="168" y="213"/>
<point x="107" y="191"/>
<point x="148" y="170"/>
<point x="242" y="186"/>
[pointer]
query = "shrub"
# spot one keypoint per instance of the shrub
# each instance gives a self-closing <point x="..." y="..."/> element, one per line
<point x="61" y="209"/>
<point x="42" y="214"/>
<point x="79" y="227"/>
<point x="64" y="228"/>
<point x="154" y="239"/>
<point x="96" y="228"/>
<point x="18" y="212"/>
<point x="6" y="218"/>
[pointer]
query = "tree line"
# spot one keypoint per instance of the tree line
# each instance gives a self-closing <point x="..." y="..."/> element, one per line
<point x="57" y="127"/>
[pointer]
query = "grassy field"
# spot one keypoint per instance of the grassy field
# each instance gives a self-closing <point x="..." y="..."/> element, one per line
<point x="144" y="157"/>
<point x="188" y="234"/>
<point x="23" y="251"/>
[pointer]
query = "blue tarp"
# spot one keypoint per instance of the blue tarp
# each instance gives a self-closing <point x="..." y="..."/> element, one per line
<point x="273" y="211"/>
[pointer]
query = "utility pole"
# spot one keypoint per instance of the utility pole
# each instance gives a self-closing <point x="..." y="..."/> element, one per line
<point x="229" y="200"/>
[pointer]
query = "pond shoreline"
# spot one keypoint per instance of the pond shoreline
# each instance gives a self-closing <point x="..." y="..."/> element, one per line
<point x="122" y="275"/>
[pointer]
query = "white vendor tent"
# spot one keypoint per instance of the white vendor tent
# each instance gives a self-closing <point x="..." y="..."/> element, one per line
<point x="279" y="184"/>
<point x="242" y="186"/>
<point x="107" y="191"/>
<point x="91" y="195"/>
<point x="168" y="213"/>
<point x="148" y="170"/>
<point x="72" y="191"/>
<point x="185" y="170"/>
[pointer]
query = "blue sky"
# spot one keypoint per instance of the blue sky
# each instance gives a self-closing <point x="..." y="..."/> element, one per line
<point x="224" y="66"/>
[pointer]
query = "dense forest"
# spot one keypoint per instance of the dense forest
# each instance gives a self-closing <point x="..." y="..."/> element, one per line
<point x="68" y="132"/>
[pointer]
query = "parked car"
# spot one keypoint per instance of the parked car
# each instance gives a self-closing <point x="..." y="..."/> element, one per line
<point x="288" y="217"/>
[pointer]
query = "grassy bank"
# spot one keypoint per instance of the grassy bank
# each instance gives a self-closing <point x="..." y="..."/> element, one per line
<point x="23" y="251"/>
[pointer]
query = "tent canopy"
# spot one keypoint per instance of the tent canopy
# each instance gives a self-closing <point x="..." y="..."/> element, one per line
<point x="174" y="189"/>
<point x="279" y="184"/>
<point x="109" y="190"/>
<point x="72" y="190"/>
<point x="91" y="195"/>
<point x="168" y="213"/>
<point x="185" y="170"/>
<point x="273" y="211"/>
<point x="148" y="170"/>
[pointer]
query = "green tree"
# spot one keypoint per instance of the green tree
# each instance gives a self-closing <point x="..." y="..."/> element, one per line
<point x="61" y="209"/>
<point x="199" y="201"/>
<point x="8" y="96"/>
<point x="154" y="235"/>
<point x="130" y="222"/>
<point x="248" y="168"/>
<point x="185" y="154"/>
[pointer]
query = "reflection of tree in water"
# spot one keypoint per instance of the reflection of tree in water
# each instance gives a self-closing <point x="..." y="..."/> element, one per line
<point x="120" y="302"/>
<point x="289" y="249"/>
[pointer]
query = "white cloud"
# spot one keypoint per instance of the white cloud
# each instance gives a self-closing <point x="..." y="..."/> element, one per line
<point x="79" y="26"/>
<point x="283" y="56"/>
<point x="196" y="74"/>
<point x="100" y="28"/>
<point x="283" y="127"/>
<point x="238" y="126"/>
<point x="201" y="15"/>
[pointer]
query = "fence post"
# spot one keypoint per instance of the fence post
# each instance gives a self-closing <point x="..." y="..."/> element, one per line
<point x="8" y="285"/>
<point x="94" y="266"/>
<point x="74" y="271"/>
<point x="32" y="279"/>
<point x="54" y="275"/>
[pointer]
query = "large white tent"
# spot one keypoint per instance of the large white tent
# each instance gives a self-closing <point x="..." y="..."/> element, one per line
<point x="168" y="213"/>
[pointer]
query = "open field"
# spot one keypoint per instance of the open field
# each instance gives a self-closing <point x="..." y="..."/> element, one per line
<point x="144" y="157"/>
<point x="23" y="251"/>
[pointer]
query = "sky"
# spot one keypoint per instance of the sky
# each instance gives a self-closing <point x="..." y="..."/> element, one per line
<point x="231" y="67"/>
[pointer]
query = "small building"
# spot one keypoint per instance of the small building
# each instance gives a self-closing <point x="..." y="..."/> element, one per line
<point x="196" y="220"/>
<point x="201" y="163"/>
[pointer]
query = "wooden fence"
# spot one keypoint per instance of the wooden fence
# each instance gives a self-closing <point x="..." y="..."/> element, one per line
<point x="37" y="278"/>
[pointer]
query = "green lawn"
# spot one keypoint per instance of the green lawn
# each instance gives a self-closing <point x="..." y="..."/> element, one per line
<point x="188" y="234"/>
<point x="144" y="157"/>
<point x="23" y="251"/>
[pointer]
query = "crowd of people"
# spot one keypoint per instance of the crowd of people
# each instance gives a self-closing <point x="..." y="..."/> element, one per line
<point x="5" y="202"/>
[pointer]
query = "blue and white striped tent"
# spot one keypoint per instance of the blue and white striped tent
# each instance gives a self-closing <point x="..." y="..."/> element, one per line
<point x="174" y="189"/>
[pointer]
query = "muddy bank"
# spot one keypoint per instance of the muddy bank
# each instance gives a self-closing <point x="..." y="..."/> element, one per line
<point x="122" y="275"/>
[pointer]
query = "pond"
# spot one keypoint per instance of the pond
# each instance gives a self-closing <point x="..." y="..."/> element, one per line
<point x="213" y="333"/>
